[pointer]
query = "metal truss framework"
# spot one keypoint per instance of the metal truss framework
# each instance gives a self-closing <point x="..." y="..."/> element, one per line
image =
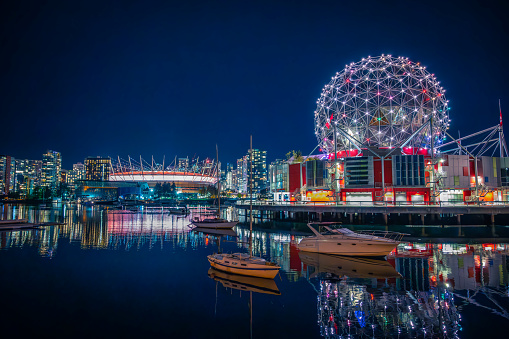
<point x="133" y="170"/>
<point x="381" y="101"/>
<point x="489" y="141"/>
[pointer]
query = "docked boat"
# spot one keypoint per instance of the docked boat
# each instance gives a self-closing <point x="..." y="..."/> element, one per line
<point x="243" y="263"/>
<point x="214" y="223"/>
<point x="217" y="222"/>
<point x="342" y="241"/>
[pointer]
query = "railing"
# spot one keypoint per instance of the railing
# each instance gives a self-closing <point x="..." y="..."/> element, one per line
<point x="450" y="203"/>
<point x="396" y="236"/>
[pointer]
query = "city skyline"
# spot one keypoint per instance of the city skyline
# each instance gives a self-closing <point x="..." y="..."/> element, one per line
<point x="176" y="79"/>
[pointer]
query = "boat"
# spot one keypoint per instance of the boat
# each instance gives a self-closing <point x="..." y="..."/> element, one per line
<point x="217" y="222"/>
<point x="179" y="210"/>
<point x="352" y="267"/>
<point x="13" y="221"/>
<point x="342" y="241"/>
<point x="244" y="283"/>
<point x="243" y="263"/>
<point x="20" y="224"/>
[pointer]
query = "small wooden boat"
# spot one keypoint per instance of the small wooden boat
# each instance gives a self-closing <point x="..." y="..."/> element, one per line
<point x="244" y="264"/>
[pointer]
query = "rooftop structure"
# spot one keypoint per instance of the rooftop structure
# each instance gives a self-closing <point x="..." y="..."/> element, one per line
<point x="384" y="102"/>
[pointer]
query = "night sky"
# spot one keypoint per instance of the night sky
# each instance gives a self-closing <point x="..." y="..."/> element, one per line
<point x="108" y="78"/>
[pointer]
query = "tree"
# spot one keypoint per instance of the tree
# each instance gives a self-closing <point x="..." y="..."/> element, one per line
<point x="294" y="157"/>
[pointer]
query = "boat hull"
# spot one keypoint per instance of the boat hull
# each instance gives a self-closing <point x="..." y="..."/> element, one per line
<point x="260" y="271"/>
<point x="347" y="247"/>
<point x="215" y="225"/>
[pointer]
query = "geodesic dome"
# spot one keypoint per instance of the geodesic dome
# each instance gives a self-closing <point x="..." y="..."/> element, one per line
<point x="380" y="102"/>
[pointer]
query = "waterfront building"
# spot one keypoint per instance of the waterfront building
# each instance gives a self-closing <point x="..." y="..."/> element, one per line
<point x="77" y="173"/>
<point x="97" y="168"/>
<point x="241" y="175"/>
<point x="278" y="176"/>
<point x="229" y="175"/>
<point x="28" y="175"/>
<point x="7" y="174"/>
<point x="51" y="168"/>
<point x="63" y="176"/>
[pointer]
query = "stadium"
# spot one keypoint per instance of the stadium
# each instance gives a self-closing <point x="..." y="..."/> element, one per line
<point x="188" y="177"/>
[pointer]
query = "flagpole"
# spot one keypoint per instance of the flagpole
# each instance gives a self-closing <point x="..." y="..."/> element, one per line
<point x="500" y="130"/>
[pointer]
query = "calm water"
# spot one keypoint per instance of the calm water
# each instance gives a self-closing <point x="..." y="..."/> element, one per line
<point x="110" y="273"/>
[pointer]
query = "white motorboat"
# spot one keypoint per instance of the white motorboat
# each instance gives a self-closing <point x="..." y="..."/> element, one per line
<point x="214" y="223"/>
<point x="242" y="263"/>
<point x="342" y="241"/>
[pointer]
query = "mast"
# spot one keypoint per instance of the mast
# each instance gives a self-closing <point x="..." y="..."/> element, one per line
<point x="218" y="185"/>
<point x="251" y="196"/>
<point x="500" y="130"/>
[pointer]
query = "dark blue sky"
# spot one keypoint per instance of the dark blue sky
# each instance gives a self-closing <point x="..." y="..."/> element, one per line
<point x="91" y="78"/>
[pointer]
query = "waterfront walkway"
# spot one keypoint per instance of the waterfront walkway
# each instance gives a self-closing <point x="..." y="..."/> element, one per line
<point x="380" y="207"/>
<point x="423" y="209"/>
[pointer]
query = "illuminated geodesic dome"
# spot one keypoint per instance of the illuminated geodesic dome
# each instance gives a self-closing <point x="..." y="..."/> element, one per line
<point x="380" y="102"/>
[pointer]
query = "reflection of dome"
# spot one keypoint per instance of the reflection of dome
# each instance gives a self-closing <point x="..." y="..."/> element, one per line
<point x="381" y="101"/>
<point x="348" y="309"/>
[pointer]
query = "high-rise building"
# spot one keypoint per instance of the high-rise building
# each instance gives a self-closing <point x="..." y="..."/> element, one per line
<point x="259" y="168"/>
<point x="97" y="169"/>
<point x="229" y="177"/>
<point x="33" y="170"/>
<point x="7" y="174"/>
<point x="51" y="168"/>
<point x="241" y="174"/>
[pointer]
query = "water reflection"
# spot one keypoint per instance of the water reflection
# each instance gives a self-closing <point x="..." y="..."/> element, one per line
<point x="244" y="283"/>
<point x="420" y="291"/>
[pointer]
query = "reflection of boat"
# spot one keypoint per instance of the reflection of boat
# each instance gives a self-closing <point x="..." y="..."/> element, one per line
<point x="353" y="267"/>
<point x="216" y="232"/>
<point x="216" y="222"/>
<point x="244" y="283"/>
<point x="342" y="241"/>
<point x="242" y="263"/>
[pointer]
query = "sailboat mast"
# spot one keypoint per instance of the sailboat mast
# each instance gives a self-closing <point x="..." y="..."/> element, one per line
<point x="218" y="185"/>
<point x="251" y="195"/>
